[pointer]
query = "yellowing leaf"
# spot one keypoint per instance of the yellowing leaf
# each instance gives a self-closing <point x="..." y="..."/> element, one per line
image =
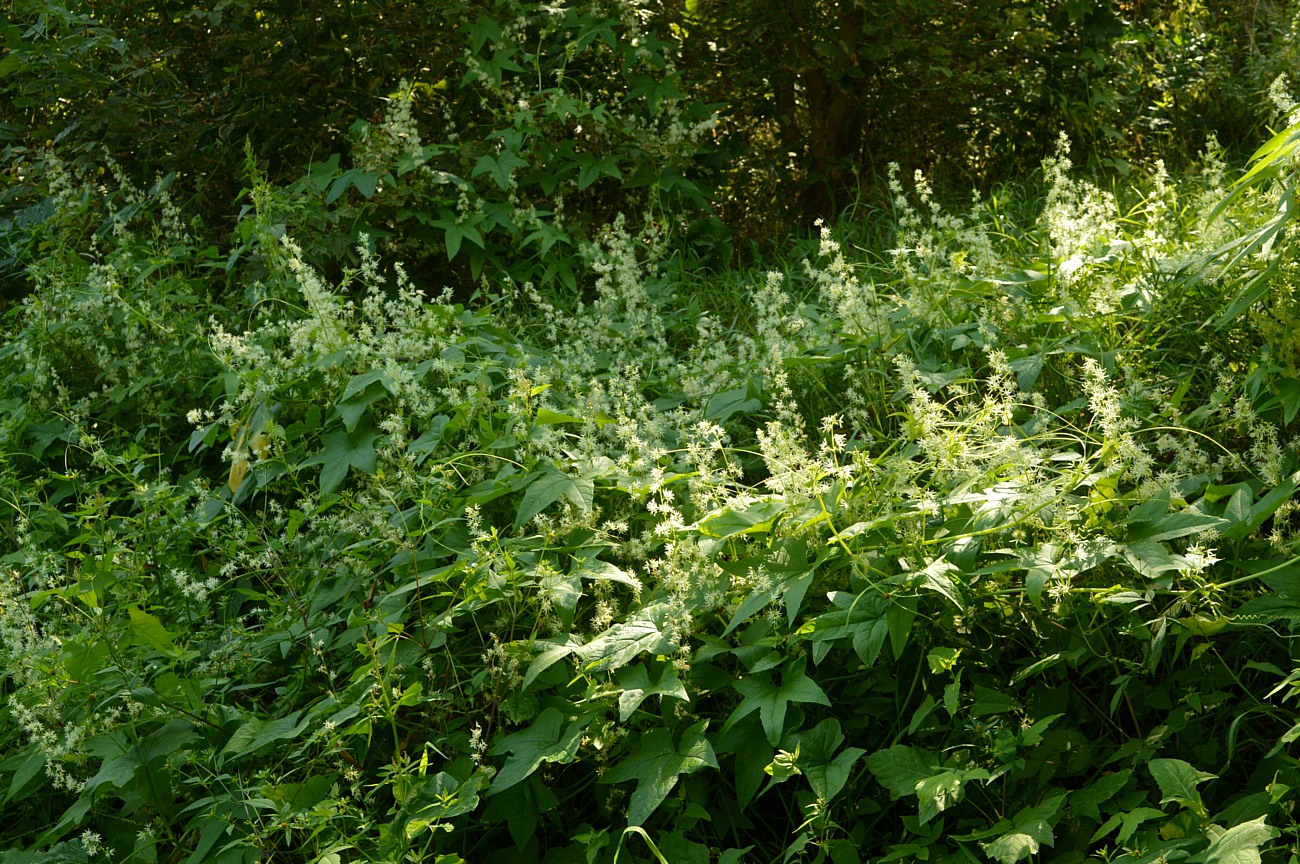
<point x="238" y="469"/>
<point x="260" y="445"/>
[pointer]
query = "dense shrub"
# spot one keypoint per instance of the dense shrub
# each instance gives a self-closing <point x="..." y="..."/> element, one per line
<point x="969" y="551"/>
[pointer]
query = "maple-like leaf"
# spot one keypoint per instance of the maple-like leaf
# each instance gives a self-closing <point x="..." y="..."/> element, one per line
<point x="544" y="741"/>
<point x="657" y="765"/>
<point x="771" y="699"/>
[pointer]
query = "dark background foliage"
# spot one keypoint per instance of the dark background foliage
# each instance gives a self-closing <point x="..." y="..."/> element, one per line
<point x="813" y="99"/>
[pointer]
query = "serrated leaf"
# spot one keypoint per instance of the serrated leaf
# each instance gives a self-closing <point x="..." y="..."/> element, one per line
<point x="637" y="687"/>
<point x="1178" y="781"/>
<point x="657" y="764"/>
<point x="547" y="740"/>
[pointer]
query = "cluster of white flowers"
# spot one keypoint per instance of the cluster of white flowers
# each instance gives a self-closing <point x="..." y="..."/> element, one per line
<point x="192" y="588"/>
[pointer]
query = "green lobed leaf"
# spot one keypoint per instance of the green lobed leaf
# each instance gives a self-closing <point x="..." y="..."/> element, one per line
<point x="771" y="699"/>
<point x="826" y="770"/>
<point x="754" y="519"/>
<point x="637" y="687"/>
<point x="547" y="740"/>
<point x="1030" y="830"/>
<point x="656" y="765"/>
<point x="343" y="451"/>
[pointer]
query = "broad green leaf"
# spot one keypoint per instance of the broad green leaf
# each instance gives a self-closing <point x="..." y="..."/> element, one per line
<point x="595" y="569"/>
<point x="1175" y="525"/>
<point x="1178" y="781"/>
<point x="637" y="687"/>
<point x="1238" y="845"/>
<point x="359" y="384"/>
<point x="365" y="182"/>
<point x="1030" y="829"/>
<point x="562" y="590"/>
<point x="1032" y="735"/>
<point x="1128" y="822"/>
<point x="547" y="740"/>
<point x="1012" y="847"/>
<point x="29" y="766"/>
<point x="937" y="793"/>
<point x="657" y="764"/>
<point x="499" y="168"/>
<point x="754" y="519"/>
<point x="900" y="769"/>
<point x="899" y="617"/>
<point x="826" y="770"/>
<point x="1265" y="507"/>
<point x="551" y="654"/>
<point x="861" y="617"/>
<point x="149" y="630"/>
<point x="937" y="576"/>
<point x="256" y="733"/>
<point x="771" y="699"/>
<point x="343" y="451"/>
<point x="989" y="701"/>
<point x="1040" y="665"/>
<point x="545" y="417"/>
<point x="1149" y="557"/>
<point x="362" y="391"/>
<point x="437" y="799"/>
<point x="729" y="402"/>
<point x="119" y="772"/>
<point x="550" y="486"/>
<point x="164" y="741"/>
<point x="430" y="439"/>
<point x="1087" y="801"/>
<point x="620" y="644"/>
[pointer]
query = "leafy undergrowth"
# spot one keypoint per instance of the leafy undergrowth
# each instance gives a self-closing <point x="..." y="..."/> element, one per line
<point x="982" y="548"/>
